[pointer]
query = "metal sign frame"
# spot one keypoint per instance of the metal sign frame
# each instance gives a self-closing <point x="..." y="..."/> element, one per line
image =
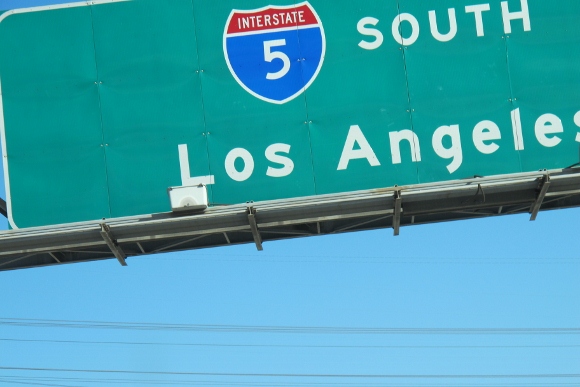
<point x="129" y="238"/>
<point x="415" y="106"/>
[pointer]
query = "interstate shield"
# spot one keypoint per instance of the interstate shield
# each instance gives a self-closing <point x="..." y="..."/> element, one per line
<point x="275" y="53"/>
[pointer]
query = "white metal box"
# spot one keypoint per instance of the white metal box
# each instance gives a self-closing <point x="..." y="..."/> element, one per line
<point x="188" y="198"/>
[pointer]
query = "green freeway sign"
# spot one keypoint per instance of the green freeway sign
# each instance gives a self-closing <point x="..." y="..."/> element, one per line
<point x="106" y="104"/>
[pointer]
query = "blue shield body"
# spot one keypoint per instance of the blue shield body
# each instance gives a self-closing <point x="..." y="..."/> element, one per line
<point x="275" y="62"/>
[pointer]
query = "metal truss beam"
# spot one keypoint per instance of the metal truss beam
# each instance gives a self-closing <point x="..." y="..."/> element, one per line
<point x="113" y="246"/>
<point x="254" y="228"/>
<point x="397" y="213"/>
<point x="53" y="255"/>
<point x="261" y="222"/>
<point x="543" y="190"/>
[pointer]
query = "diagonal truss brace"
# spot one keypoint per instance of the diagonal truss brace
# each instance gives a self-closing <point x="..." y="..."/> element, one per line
<point x="397" y="213"/>
<point x="254" y="228"/>
<point x="544" y="186"/>
<point x="110" y="241"/>
<point x="55" y="257"/>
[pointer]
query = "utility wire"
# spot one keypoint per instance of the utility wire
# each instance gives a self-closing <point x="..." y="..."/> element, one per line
<point x="35" y="383"/>
<point x="43" y="323"/>
<point x="288" y="345"/>
<point x="299" y="375"/>
<point x="375" y="259"/>
<point x="263" y="384"/>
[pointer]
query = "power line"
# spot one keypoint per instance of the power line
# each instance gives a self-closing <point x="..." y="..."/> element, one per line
<point x="288" y="345"/>
<point x="35" y="383"/>
<point x="264" y="384"/>
<point x="280" y="329"/>
<point x="299" y="375"/>
<point x="357" y="257"/>
<point x="375" y="259"/>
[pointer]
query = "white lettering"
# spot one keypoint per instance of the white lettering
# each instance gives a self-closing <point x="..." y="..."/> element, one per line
<point x="270" y="56"/>
<point x="454" y="152"/>
<point x="517" y="129"/>
<point x="408" y="135"/>
<point x="186" y="179"/>
<point x="577" y="122"/>
<point x="356" y="136"/>
<point x="267" y="21"/>
<point x="414" y="29"/>
<point x="478" y="11"/>
<point x="549" y="124"/>
<point x="508" y="16"/>
<point x="486" y="131"/>
<point x="301" y="17"/>
<point x="452" y="26"/>
<point x="239" y="153"/>
<point x="273" y="156"/>
<point x="364" y="30"/>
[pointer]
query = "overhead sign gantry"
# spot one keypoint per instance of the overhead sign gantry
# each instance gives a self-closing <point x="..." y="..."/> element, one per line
<point x="105" y="105"/>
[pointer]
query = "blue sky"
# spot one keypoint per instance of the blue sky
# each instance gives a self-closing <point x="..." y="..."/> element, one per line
<point x="503" y="272"/>
<point x="13" y="4"/>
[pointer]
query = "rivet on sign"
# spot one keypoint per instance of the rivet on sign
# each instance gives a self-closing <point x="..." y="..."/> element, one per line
<point x="510" y="99"/>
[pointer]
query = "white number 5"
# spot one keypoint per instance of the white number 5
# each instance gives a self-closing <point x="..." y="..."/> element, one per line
<point x="270" y="55"/>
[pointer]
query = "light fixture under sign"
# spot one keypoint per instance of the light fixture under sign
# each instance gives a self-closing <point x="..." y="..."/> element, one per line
<point x="188" y="198"/>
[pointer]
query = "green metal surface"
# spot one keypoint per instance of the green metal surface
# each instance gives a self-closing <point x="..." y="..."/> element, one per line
<point x="461" y="82"/>
<point x="235" y="119"/>
<point x="97" y="98"/>
<point x="150" y="99"/>
<point x="545" y="78"/>
<point x="57" y="166"/>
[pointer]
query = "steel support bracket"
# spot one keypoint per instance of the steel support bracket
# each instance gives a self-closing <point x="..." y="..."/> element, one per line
<point x="254" y="228"/>
<point x="110" y="241"/>
<point x="397" y="213"/>
<point x="543" y="190"/>
<point x="3" y="208"/>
